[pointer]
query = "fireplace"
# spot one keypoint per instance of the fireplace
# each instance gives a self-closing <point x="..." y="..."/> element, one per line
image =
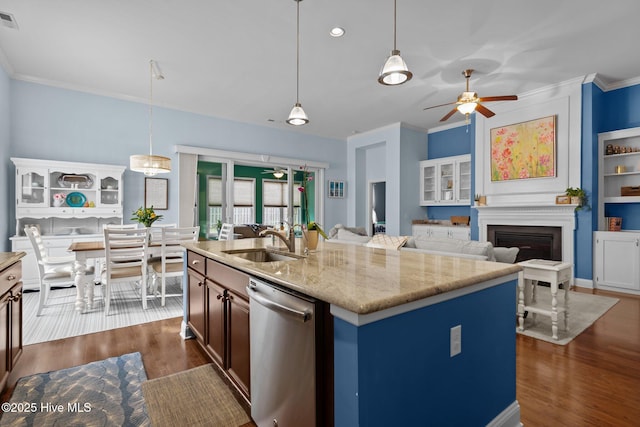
<point x="535" y="242"/>
<point x="541" y="216"/>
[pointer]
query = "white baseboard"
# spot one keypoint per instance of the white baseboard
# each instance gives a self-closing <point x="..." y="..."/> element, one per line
<point x="583" y="283"/>
<point x="185" y="331"/>
<point x="510" y="417"/>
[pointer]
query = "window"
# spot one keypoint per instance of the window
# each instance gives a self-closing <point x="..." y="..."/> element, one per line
<point x="244" y="194"/>
<point x="274" y="201"/>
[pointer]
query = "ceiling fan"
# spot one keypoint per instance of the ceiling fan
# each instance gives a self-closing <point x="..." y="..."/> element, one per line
<point x="277" y="172"/>
<point x="468" y="101"/>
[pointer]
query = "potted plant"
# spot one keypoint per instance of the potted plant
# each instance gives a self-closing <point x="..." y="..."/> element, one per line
<point x="578" y="197"/>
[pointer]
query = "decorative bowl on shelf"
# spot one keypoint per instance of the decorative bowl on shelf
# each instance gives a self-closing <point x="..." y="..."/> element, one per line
<point x="76" y="200"/>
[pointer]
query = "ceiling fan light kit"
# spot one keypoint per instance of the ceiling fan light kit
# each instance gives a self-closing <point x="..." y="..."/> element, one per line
<point x="297" y="116"/>
<point x="468" y="102"/>
<point x="150" y="164"/>
<point x="395" y="70"/>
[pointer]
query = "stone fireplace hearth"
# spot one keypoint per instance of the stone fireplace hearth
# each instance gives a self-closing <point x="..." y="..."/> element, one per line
<point x="560" y="216"/>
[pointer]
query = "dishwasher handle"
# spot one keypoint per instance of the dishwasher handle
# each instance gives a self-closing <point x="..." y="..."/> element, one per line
<point x="292" y="312"/>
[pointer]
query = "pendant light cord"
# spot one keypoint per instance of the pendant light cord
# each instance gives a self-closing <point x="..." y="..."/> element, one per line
<point x="298" y="52"/>
<point x="151" y="107"/>
<point x="395" y="18"/>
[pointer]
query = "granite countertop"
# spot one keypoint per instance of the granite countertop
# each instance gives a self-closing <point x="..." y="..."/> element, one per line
<point x="8" y="258"/>
<point x="359" y="279"/>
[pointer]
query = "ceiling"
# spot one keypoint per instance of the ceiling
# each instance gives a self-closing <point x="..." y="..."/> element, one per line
<point x="237" y="59"/>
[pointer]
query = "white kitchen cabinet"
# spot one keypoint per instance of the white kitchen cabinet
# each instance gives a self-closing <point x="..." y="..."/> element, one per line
<point x="443" y="231"/>
<point x="445" y="181"/>
<point x="617" y="261"/>
<point x="96" y="199"/>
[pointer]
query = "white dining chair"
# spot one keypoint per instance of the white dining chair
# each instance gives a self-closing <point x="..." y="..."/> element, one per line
<point x="171" y="260"/>
<point x="126" y="253"/>
<point x="56" y="271"/>
<point x="226" y="232"/>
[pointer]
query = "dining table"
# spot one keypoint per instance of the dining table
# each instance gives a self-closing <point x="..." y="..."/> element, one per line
<point x="84" y="251"/>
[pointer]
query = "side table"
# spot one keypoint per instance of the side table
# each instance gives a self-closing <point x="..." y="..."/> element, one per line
<point x="553" y="272"/>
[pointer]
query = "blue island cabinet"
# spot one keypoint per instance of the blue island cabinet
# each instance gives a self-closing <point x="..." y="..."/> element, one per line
<point x="395" y="368"/>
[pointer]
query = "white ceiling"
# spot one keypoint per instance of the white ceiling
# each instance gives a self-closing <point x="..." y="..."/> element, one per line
<point x="235" y="59"/>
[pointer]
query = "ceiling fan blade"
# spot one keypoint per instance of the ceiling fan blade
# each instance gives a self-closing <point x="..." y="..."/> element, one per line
<point x="449" y="114"/>
<point x="484" y="111"/>
<point x="498" y="98"/>
<point x="441" y="105"/>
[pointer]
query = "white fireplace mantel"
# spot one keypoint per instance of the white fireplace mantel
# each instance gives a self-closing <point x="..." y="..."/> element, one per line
<point x="563" y="216"/>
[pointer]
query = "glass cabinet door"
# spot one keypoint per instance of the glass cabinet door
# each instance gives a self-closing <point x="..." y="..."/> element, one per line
<point x="428" y="183"/>
<point x="464" y="182"/>
<point x="109" y="191"/>
<point x="447" y="182"/>
<point x="32" y="188"/>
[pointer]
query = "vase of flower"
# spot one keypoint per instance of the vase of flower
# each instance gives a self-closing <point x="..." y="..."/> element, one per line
<point x="58" y="199"/>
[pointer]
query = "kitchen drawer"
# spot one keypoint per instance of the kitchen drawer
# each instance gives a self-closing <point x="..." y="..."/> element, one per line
<point x="196" y="262"/>
<point x="228" y="277"/>
<point x="10" y="276"/>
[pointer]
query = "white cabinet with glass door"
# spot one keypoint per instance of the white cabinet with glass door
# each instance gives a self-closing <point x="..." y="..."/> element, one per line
<point x="446" y="181"/>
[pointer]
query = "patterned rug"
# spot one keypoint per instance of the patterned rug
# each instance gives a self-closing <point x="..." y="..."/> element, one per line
<point x="103" y="393"/>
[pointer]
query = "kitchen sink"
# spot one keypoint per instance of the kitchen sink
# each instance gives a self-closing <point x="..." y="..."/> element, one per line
<point x="263" y="255"/>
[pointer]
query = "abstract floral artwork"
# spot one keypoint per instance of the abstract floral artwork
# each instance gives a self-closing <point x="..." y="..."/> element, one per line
<point x="524" y="150"/>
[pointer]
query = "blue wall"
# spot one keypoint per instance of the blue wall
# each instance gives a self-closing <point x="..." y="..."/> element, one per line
<point x="6" y="172"/>
<point x="620" y="109"/>
<point x="60" y="124"/>
<point x="454" y="142"/>
<point x="398" y="371"/>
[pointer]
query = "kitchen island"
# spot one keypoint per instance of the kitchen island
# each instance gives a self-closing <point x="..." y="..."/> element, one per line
<point x="394" y="316"/>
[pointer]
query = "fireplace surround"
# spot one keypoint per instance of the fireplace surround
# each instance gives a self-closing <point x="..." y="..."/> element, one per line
<point x="555" y="216"/>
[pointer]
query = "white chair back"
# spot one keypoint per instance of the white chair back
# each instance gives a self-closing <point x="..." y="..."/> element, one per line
<point x="126" y="253"/>
<point x="226" y="232"/>
<point x="170" y="263"/>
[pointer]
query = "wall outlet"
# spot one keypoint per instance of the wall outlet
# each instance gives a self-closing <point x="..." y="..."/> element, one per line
<point x="456" y="340"/>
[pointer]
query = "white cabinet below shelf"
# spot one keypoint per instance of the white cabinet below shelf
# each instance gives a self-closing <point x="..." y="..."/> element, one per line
<point x="616" y="261"/>
<point x="444" y="231"/>
<point x="445" y="181"/>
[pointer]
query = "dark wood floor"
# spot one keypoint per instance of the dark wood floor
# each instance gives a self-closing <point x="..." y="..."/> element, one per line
<point x="592" y="381"/>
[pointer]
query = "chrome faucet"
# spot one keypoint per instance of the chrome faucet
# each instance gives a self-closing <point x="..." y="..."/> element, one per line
<point x="291" y="243"/>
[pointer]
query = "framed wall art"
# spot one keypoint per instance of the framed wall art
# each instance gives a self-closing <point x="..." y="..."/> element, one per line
<point x="336" y="189"/>
<point x="524" y="150"/>
<point x="156" y="192"/>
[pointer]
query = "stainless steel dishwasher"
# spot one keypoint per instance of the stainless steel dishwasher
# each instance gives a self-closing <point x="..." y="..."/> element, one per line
<point x="283" y="354"/>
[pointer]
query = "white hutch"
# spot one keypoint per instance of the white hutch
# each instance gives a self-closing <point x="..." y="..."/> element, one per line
<point x="68" y="201"/>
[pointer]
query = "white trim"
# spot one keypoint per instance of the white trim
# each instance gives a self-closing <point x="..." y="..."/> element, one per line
<point x="249" y="159"/>
<point x="363" y="319"/>
<point x="583" y="283"/>
<point x="509" y="417"/>
<point x="448" y="126"/>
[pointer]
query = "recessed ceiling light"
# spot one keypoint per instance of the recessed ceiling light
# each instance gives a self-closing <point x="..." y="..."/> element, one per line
<point x="336" y="32"/>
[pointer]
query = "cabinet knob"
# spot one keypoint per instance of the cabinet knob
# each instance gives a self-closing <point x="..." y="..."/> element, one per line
<point x="11" y="277"/>
<point x="219" y="296"/>
<point x="195" y="262"/>
<point x="200" y="283"/>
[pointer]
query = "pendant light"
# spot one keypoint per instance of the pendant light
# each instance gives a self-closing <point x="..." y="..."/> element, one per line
<point x="150" y="164"/>
<point x="297" y="117"/>
<point x="395" y="71"/>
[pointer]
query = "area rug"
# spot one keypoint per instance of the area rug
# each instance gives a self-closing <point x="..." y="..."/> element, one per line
<point x="196" y="397"/>
<point x="584" y="309"/>
<point x="103" y="393"/>
<point x="61" y="320"/>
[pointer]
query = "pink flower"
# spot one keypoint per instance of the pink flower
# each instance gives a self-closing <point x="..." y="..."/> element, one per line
<point x="301" y="189"/>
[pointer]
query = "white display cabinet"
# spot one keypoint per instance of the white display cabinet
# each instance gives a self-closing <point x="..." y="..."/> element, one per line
<point x="434" y="230"/>
<point x="67" y="201"/>
<point x="446" y="181"/>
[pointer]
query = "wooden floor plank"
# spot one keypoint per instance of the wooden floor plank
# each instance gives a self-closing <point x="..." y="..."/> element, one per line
<point x="592" y="381"/>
